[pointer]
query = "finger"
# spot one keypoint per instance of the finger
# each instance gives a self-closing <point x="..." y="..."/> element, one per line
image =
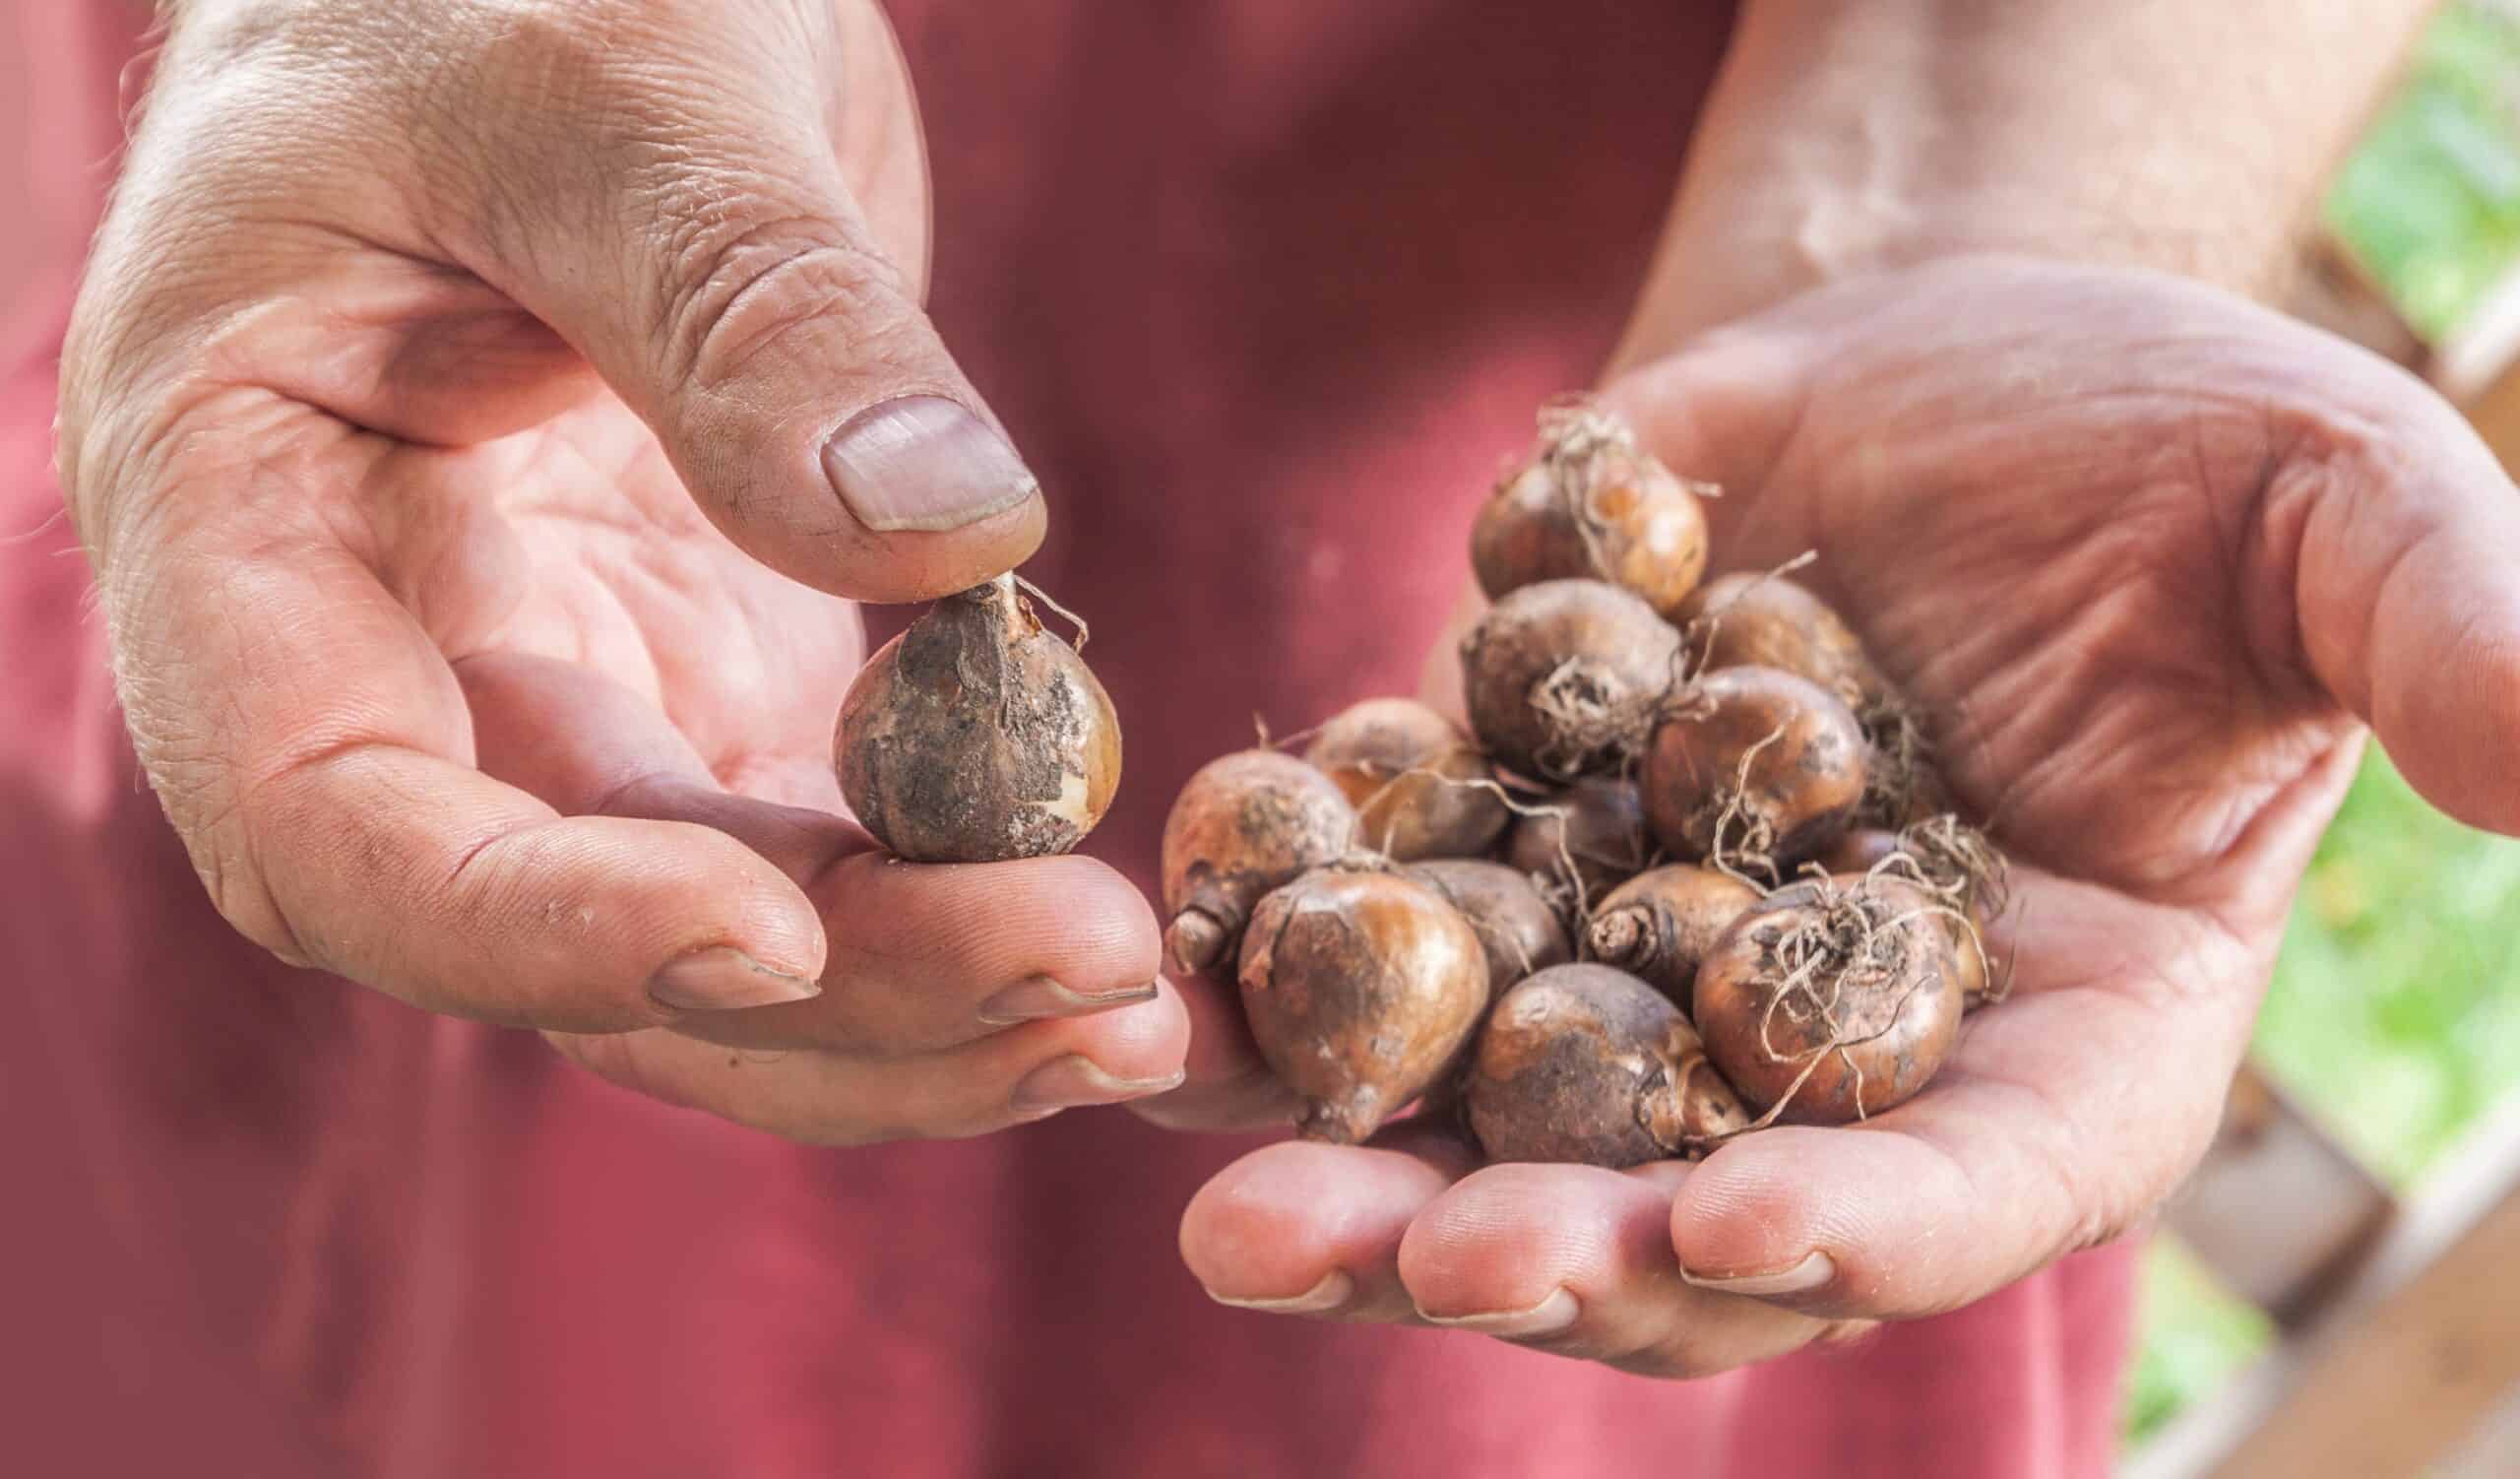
<point x="1227" y="1086"/>
<point x="920" y="957"/>
<point x="1014" y="1077"/>
<point x="1578" y="1260"/>
<point x="1723" y="411"/>
<point x="925" y="956"/>
<point x="2393" y="531"/>
<point x="715" y="267"/>
<point x="1301" y="1228"/>
<point x="2039" y="1138"/>
<point x="312" y="748"/>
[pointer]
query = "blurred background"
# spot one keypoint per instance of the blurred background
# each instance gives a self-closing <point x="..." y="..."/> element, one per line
<point x="2393" y="1031"/>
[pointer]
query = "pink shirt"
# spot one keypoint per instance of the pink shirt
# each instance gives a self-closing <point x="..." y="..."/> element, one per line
<point x="1264" y="287"/>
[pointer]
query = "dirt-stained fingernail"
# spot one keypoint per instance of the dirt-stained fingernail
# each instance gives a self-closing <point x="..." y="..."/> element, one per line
<point x="925" y="463"/>
<point x="1556" y="1313"/>
<point x="1334" y="1290"/>
<point x="723" y="978"/>
<point x="1039" y="998"/>
<point x="1814" y="1271"/>
<point x="1076" y="1081"/>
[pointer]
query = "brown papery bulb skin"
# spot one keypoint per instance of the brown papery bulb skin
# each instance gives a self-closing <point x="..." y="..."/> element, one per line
<point x="1600" y="832"/>
<point x="1360" y="988"/>
<point x="1517" y="927"/>
<point x="1420" y="787"/>
<point x="1590" y="503"/>
<point x="1859" y="851"/>
<point x="1755" y="765"/>
<point x="1840" y="998"/>
<point x="1587" y="1065"/>
<point x="1755" y="620"/>
<point x="1243" y="824"/>
<point x="977" y="736"/>
<point x="1659" y="924"/>
<point x="1562" y="677"/>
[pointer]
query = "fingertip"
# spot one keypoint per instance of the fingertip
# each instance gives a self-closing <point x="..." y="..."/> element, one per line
<point x="776" y="923"/>
<point x="1824" y="1221"/>
<point x="1140" y="1043"/>
<point x="1506" y="1241"/>
<point x="1273" y="1224"/>
<point x="1248" y="1236"/>
<point x="2453" y="722"/>
<point x="1744" y="1214"/>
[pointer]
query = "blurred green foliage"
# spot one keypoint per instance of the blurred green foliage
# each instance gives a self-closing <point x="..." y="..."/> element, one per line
<point x="2395" y="1015"/>
<point x="2430" y="198"/>
<point x="2395" y="1012"/>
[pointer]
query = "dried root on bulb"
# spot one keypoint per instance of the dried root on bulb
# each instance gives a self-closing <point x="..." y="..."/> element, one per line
<point x="1904" y="784"/>
<point x="1561" y="679"/>
<point x="1420" y="787"/>
<point x="1588" y="1064"/>
<point x="1659" y="926"/>
<point x="1960" y="867"/>
<point x="1835" y="1000"/>
<point x="1590" y="503"/>
<point x="1360" y="988"/>
<point x="1245" y="824"/>
<point x="976" y="736"/>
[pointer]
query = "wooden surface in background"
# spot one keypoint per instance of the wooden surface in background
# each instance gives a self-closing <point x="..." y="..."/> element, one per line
<point x="2400" y="1369"/>
<point x="2279" y="1210"/>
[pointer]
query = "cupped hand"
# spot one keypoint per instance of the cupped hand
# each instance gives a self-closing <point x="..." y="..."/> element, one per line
<point x="477" y="416"/>
<point x="2152" y="558"/>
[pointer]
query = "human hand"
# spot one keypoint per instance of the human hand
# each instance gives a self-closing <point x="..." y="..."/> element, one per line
<point x="2152" y="557"/>
<point x="476" y="415"/>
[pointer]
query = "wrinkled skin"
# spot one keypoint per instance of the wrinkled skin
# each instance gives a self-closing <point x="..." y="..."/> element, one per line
<point x="2147" y="553"/>
<point x="441" y="414"/>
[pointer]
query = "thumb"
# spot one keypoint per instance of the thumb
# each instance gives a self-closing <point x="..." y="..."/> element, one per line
<point x="2407" y="584"/>
<point x="717" y="269"/>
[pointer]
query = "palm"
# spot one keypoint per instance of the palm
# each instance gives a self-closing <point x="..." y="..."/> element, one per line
<point x="2055" y="534"/>
<point x="2134" y="550"/>
<point x="584" y="548"/>
<point x="2065" y="565"/>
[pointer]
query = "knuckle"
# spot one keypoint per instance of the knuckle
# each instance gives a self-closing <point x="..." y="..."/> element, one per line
<point x="740" y="282"/>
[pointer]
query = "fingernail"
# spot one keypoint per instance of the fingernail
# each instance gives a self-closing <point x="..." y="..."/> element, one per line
<point x="1334" y="1290"/>
<point x="723" y="978"/>
<point x="1555" y="1314"/>
<point x="1813" y="1271"/>
<point x="1036" y="997"/>
<point x="1075" y="1081"/>
<point x="923" y="462"/>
